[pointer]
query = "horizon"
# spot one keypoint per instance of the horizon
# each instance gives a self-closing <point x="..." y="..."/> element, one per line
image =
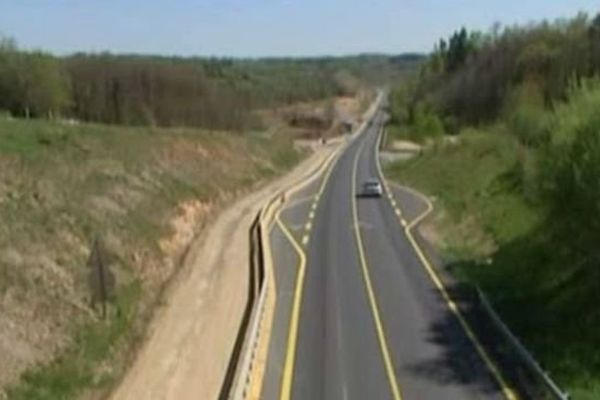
<point x="269" y="30"/>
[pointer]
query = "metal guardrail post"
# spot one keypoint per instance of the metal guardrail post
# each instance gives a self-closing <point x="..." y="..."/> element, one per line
<point x="260" y="258"/>
<point x="555" y="390"/>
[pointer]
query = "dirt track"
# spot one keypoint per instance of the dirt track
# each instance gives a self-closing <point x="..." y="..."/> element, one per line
<point x="190" y="338"/>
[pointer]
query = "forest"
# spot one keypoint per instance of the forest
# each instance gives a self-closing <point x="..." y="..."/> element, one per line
<point x="172" y="91"/>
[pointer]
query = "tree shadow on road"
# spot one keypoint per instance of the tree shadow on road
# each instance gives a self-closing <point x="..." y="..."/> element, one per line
<point x="457" y="363"/>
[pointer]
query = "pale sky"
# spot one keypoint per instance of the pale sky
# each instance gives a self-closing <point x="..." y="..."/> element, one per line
<point x="254" y="28"/>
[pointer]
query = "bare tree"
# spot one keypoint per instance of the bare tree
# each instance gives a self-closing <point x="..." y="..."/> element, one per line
<point x="101" y="279"/>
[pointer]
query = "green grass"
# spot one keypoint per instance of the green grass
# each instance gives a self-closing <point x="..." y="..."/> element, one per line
<point x="406" y="133"/>
<point x="495" y="236"/>
<point x="398" y="132"/>
<point x="473" y="180"/>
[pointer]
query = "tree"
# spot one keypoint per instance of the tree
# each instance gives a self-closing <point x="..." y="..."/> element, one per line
<point x="457" y="50"/>
<point x="594" y="40"/>
<point x="101" y="279"/>
<point x="41" y="84"/>
<point x="31" y="83"/>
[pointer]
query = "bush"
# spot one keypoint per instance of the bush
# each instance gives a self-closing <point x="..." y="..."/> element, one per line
<point x="427" y="125"/>
<point x="580" y="109"/>
<point x="572" y="167"/>
<point x="526" y="116"/>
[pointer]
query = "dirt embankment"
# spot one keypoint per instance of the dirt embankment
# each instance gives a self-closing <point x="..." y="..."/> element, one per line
<point x="146" y="193"/>
<point x="321" y="120"/>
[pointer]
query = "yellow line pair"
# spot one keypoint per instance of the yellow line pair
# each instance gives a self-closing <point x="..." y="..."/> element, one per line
<point x="288" y="371"/>
<point x="387" y="359"/>
<point x="293" y="329"/>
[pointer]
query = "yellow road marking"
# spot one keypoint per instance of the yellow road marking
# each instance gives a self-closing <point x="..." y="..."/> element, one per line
<point x="260" y="361"/>
<point x="288" y="370"/>
<point x="257" y="375"/>
<point x="507" y="391"/>
<point x="290" y="357"/>
<point x="387" y="359"/>
<point x="256" y="379"/>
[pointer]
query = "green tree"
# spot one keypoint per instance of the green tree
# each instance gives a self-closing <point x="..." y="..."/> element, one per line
<point x="458" y="49"/>
<point x="8" y="71"/>
<point x="594" y="38"/>
<point x="31" y="83"/>
<point x="42" y="86"/>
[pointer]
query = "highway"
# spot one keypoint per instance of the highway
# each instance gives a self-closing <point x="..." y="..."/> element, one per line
<point x="358" y="315"/>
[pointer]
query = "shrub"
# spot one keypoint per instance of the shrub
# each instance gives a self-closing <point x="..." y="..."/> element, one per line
<point x="427" y="125"/>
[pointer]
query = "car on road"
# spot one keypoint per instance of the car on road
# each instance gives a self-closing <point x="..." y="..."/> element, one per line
<point x="371" y="188"/>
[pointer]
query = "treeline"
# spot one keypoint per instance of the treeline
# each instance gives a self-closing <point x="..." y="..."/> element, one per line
<point x="191" y="92"/>
<point x="517" y="81"/>
<point x="170" y="91"/>
<point x="473" y="77"/>
<point x="30" y="83"/>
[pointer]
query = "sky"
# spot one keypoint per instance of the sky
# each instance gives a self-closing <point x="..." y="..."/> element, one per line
<point x="258" y="28"/>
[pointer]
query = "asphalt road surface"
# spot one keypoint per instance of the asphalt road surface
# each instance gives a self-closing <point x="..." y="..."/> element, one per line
<point x="371" y="323"/>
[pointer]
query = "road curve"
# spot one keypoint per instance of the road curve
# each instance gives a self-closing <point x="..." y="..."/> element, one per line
<point x="371" y="323"/>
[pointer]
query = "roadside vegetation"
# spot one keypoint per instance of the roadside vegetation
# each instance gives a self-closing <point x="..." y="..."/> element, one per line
<point x="511" y="132"/>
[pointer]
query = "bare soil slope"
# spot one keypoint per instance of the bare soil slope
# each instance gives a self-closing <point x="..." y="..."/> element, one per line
<point x="146" y="193"/>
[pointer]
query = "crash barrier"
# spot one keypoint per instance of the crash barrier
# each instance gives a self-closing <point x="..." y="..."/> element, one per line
<point x="550" y="388"/>
<point x="255" y="283"/>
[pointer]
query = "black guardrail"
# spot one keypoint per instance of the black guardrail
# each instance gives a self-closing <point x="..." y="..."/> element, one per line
<point x="256" y="272"/>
